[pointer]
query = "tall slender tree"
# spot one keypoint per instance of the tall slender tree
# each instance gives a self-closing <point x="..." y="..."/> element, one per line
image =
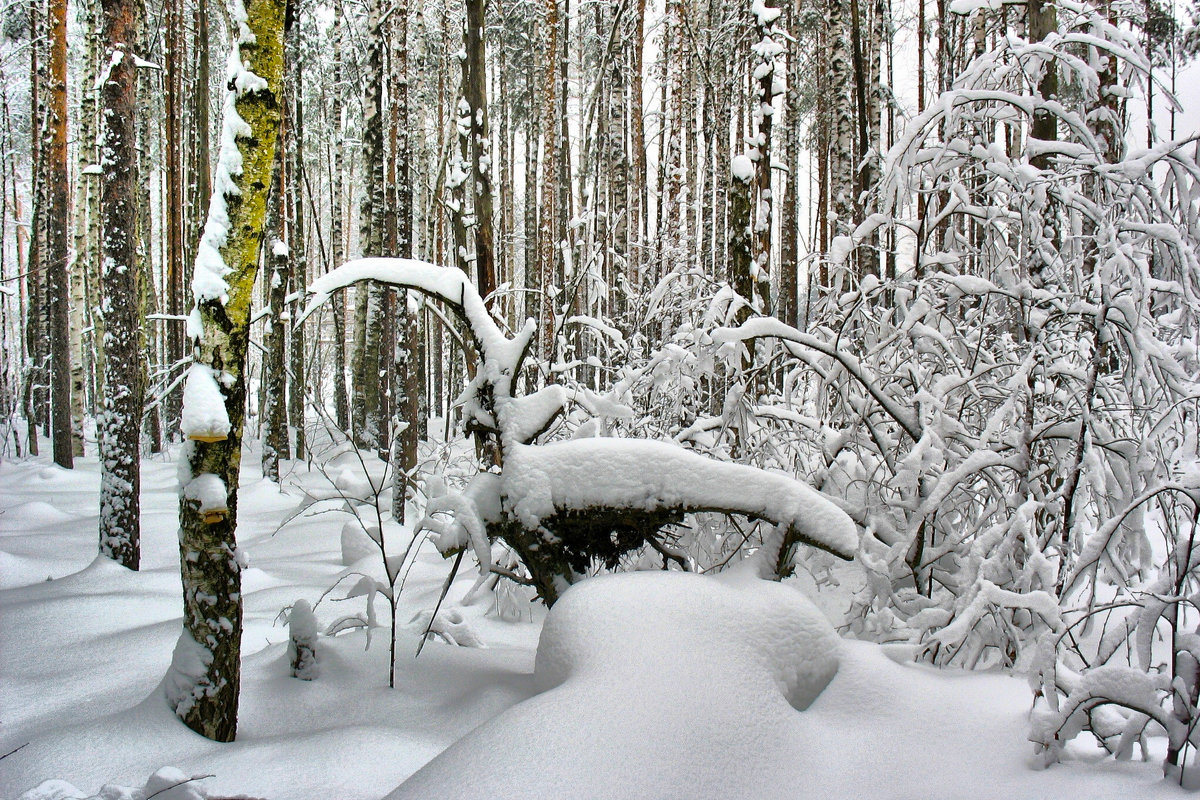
<point x="119" y="428"/>
<point x="57" y="223"/>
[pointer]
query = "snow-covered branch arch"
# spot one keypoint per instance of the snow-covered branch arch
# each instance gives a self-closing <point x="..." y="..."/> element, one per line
<point x="563" y="504"/>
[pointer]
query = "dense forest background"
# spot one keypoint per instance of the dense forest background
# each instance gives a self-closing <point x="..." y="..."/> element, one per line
<point x="938" y="260"/>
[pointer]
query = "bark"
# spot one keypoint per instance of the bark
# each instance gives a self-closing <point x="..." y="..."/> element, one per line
<point x="548" y="233"/>
<point x="57" y="231"/>
<point x="769" y="85"/>
<point x="371" y="232"/>
<point x="297" y="244"/>
<point x="842" y="167"/>
<point x="337" y="235"/>
<point x="789" y="231"/>
<point x="868" y="261"/>
<point x="205" y="676"/>
<point x="86" y="225"/>
<point x="34" y="379"/>
<point x="173" y="203"/>
<point x="119" y="428"/>
<point x="475" y="84"/>
<point x="407" y="376"/>
<point x="639" y="192"/>
<point x="274" y="413"/>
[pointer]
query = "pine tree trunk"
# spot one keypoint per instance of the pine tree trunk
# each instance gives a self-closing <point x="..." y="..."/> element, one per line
<point x="547" y="233"/>
<point x="57" y="227"/>
<point x="481" y="159"/>
<point x="204" y="680"/>
<point x="119" y="429"/>
<point x="173" y="204"/>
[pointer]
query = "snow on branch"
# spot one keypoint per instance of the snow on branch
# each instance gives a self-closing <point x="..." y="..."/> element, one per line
<point x="640" y="475"/>
<point x="502" y="355"/>
<point x="769" y="327"/>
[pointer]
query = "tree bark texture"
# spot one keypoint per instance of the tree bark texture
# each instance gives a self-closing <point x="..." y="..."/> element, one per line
<point x="119" y="426"/>
<point x="57" y="232"/>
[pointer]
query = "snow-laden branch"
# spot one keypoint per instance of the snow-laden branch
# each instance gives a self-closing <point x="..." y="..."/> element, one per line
<point x="639" y="475"/>
<point x="501" y="355"/>
<point x="770" y="327"/>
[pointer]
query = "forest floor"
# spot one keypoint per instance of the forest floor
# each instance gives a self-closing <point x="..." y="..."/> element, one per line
<point x="84" y="645"/>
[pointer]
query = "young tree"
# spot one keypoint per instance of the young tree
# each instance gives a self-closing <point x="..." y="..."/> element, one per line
<point x="203" y="682"/>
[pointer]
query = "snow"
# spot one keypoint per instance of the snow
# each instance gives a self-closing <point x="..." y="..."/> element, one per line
<point x="208" y="276"/>
<point x="203" y="405"/>
<point x="742" y="167"/>
<point x="83" y="656"/>
<point x="764" y="16"/>
<point x="647" y="475"/>
<point x="167" y="783"/>
<point x="445" y="283"/>
<point x="208" y="491"/>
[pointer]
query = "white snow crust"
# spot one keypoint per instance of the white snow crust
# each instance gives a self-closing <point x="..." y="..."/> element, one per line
<point x="208" y="490"/>
<point x="646" y="475"/>
<point x="84" y="643"/>
<point x="742" y="167"/>
<point x="203" y="404"/>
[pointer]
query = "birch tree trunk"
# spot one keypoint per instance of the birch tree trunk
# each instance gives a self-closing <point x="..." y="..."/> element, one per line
<point x="203" y="682"/>
<point x="86" y="223"/>
<point x="371" y="228"/>
<point x="336" y="234"/>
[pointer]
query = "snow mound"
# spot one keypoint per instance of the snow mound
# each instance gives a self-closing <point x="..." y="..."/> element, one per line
<point x="33" y="514"/>
<point x="654" y="684"/>
<point x="167" y="783"/>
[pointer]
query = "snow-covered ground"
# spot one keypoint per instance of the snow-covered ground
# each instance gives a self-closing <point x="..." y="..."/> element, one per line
<point x="649" y="685"/>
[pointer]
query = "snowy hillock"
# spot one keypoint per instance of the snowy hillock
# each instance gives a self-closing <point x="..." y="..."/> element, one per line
<point x="666" y="684"/>
<point x="655" y="684"/>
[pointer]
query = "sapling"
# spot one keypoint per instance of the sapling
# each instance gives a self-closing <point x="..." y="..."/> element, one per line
<point x="302" y="642"/>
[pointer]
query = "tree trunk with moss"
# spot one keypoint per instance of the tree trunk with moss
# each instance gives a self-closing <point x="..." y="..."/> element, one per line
<point x="203" y="683"/>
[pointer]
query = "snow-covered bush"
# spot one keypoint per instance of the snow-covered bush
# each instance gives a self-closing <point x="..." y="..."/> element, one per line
<point x="167" y="783"/>
<point x="1011" y="413"/>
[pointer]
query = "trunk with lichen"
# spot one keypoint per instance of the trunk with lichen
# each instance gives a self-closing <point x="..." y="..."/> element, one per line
<point x="202" y="686"/>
